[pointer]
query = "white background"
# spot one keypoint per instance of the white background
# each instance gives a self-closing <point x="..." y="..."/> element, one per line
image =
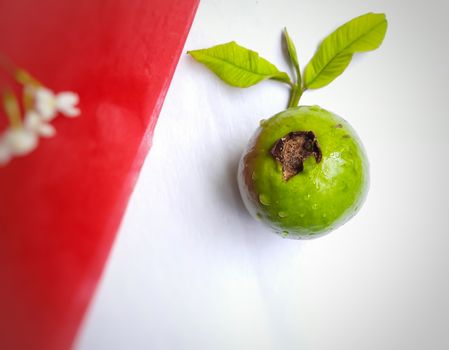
<point x="192" y="270"/>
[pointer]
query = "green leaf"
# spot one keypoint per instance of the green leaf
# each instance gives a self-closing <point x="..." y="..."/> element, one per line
<point x="364" y="33"/>
<point x="293" y="55"/>
<point x="237" y="65"/>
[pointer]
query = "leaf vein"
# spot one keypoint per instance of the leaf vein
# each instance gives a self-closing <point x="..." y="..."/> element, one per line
<point x="341" y="51"/>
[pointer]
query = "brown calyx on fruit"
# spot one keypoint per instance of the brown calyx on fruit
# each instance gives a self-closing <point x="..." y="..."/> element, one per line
<point x="292" y="149"/>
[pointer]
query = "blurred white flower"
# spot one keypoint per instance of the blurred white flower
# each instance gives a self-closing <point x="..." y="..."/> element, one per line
<point x="48" y="104"/>
<point x="35" y="123"/>
<point x="20" y="141"/>
<point x="41" y="106"/>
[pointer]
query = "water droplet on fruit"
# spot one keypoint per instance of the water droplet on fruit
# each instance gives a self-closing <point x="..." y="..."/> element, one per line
<point x="253" y="175"/>
<point x="284" y="234"/>
<point x="314" y="206"/>
<point x="262" y="122"/>
<point x="264" y="199"/>
<point x="307" y="197"/>
<point x="259" y="216"/>
<point x="282" y="214"/>
<point x="324" y="216"/>
<point x="301" y="215"/>
<point x="315" y="108"/>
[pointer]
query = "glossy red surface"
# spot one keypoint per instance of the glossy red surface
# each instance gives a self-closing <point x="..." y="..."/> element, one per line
<point x="60" y="206"/>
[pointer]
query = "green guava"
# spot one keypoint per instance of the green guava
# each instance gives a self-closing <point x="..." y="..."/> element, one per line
<point x="304" y="172"/>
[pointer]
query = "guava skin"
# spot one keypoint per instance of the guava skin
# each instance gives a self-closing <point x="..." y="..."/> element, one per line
<point x="324" y="195"/>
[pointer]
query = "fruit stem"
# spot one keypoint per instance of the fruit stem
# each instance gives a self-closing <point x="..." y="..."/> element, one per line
<point x="295" y="95"/>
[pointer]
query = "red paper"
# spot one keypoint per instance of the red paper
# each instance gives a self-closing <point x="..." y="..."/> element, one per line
<point x="61" y="205"/>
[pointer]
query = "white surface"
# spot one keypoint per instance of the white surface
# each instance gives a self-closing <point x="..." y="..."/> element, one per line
<point x="191" y="269"/>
